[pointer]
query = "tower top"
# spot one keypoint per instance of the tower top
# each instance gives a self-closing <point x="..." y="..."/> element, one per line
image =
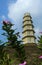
<point x="25" y="14"/>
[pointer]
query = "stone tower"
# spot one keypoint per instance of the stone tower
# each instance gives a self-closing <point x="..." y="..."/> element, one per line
<point x="28" y="29"/>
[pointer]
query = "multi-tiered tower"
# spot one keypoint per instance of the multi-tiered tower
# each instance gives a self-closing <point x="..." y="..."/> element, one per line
<point x="28" y="29"/>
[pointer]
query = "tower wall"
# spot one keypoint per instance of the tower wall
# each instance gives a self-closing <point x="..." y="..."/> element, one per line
<point x="28" y="29"/>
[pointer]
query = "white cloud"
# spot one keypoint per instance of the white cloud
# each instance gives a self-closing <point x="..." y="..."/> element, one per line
<point x="16" y="10"/>
<point x="37" y="30"/>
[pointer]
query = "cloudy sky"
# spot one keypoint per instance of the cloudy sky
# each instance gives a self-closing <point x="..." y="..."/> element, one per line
<point x="13" y="10"/>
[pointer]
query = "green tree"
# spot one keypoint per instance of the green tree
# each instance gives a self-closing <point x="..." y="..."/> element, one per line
<point x="40" y="41"/>
<point x="13" y="41"/>
<point x="1" y="54"/>
<point x="4" y="56"/>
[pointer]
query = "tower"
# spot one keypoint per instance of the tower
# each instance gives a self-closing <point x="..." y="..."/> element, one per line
<point x="28" y="29"/>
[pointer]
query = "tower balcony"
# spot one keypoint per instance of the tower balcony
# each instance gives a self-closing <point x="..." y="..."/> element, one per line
<point x="28" y="25"/>
<point x="29" y="39"/>
<point x="27" y="18"/>
<point x="28" y="34"/>
<point x="27" y="30"/>
<point x="27" y="22"/>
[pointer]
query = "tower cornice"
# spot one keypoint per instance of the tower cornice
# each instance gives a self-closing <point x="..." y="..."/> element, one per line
<point x="28" y="30"/>
<point x="27" y="16"/>
<point x="27" y="20"/>
<point x="29" y="36"/>
<point x="28" y="25"/>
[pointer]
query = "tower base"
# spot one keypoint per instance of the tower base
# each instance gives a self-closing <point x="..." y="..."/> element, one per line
<point x="30" y="44"/>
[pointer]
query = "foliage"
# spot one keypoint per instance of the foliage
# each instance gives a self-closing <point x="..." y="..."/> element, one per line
<point x="35" y="61"/>
<point x="4" y="56"/>
<point x="13" y="41"/>
<point x="40" y="42"/>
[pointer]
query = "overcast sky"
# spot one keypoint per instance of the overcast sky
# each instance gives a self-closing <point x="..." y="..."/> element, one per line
<point x="13" y="10"/>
